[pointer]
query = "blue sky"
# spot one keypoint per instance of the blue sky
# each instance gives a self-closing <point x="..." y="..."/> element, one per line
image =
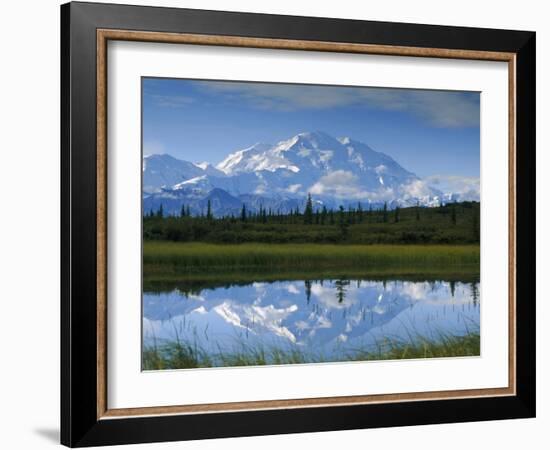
<point x="431" y="133"/>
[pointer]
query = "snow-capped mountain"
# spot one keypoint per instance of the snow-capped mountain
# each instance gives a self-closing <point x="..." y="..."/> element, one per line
<point x="334" y="171"/>
<point x="313" y="154"/>
<point x="165" y="171"/>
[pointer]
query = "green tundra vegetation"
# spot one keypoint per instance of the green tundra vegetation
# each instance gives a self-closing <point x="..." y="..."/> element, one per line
<point x="199" y="264"/>
<point x="192" y="253"/>
<point x="268" y="246"/>
<point x="186" y="355"/>
<point x="454" y="223"/>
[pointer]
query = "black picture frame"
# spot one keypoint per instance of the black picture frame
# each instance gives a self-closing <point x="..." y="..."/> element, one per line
<point x="80" y="425"/>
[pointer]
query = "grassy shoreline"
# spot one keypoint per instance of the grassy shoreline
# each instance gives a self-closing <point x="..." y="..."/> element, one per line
<point x="196" y="266"/>
<point x="187" y="355"/>
<point x="164" y="258"/>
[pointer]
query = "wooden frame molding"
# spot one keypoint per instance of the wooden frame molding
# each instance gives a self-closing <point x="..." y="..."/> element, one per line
<point x="86" y="418"/>
<point x="103" y="36"/>
<point x="289" y="44"/>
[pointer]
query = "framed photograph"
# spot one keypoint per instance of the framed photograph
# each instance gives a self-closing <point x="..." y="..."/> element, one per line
<point x="276" y="224"/>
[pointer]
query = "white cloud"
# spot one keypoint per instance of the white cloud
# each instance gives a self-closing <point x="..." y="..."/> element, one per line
<point x="292" y="289"/>
<point x="339" y="183"/>
<point x="439" y="108"/>
<point x="153" y="148"/>
<point x="417" y="189"/>
<point x="467" y="187"/>
<point x="260" y="189"/>
<point x="293" y="188"/>
<point x="447" y="109"/>
<point x="344" y="184"/>
<point x="171" y="101"/>
<point x="328" y="298"/>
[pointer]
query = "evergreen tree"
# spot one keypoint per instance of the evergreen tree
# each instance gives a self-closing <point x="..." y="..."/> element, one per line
<point x="331" y="216"/>
<point x="323" y="215"/>
<point x="188" y="211"/>
<point x="396" y="217"/>
<point x="182" y="212"/>
<point x="296" y="215"/>
<point x="160" y="212"/>
<point x="385" y="213"/>
<point x="453" y="214"/>
<point x="474" y="293"/>
<point x="341" y="216"/>
<point x="351" y="215"/>
<point x="308" y="211"/>
<point x="307" y="284"/>
<point x="243" y="213"/>
<point x="359" y="213"/>
<point x="209" y="210"/>
<point x="342" y="223"/>
<point x="341" y="289"/>
<point x="475" y="225"/>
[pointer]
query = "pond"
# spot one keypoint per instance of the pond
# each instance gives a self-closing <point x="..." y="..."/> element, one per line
<point x="310" y="320"/>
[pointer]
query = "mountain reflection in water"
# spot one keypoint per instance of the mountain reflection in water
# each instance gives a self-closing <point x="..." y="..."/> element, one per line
<point x="328" y="317"/>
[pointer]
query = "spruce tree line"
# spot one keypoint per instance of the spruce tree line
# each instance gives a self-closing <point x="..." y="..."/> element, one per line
<point x="311" y="215"/>
<point x="318" y="215"/>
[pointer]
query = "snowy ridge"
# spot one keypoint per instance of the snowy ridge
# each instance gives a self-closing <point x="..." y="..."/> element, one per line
<point x="335" y="171"/>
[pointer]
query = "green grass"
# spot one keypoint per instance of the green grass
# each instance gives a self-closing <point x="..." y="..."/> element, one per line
<point x="162" y="259"/>
<point x="199" y="265"/>
<point x="186" y="355"/>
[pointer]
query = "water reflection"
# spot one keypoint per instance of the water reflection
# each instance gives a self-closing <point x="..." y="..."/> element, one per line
<point x="326" y="317"/>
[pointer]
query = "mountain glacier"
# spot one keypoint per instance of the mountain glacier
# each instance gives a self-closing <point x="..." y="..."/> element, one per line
<point x="335" y="171"/>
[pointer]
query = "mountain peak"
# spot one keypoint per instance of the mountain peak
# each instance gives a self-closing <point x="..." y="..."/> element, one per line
<point x="344" y="140"/>
<point x="337" y="171"/>
<point x="233" y="160"/>
<point x="203" y="165"/>
<point x="309" y="140"/>
<point x="159" y="157"/>
<point x="314" y="135"/>
<point x="313" y="153"/>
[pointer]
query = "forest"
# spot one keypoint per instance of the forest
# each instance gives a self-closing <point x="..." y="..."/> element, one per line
<point x="452" y="223"/>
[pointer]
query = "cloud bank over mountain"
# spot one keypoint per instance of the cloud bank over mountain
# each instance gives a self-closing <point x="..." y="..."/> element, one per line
<point x="442" y="109"/>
